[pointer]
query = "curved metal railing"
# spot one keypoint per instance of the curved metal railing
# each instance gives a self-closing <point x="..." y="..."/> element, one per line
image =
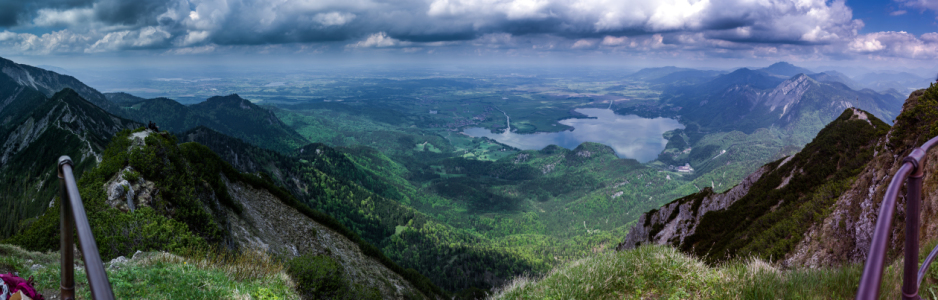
<point x="73" y="218"/>
<point x="912" y="169"/>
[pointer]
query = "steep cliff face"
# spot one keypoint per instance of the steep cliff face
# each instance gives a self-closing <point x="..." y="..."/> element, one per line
<point x="765" y="215"/>
<point x="845" y="234"/>
<point x="269" y="225"/>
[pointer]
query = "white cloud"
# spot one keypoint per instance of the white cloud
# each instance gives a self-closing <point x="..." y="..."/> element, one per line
<point x="72" y="17"/>
<point x="195" y="37"/>
<point x="920" y="4"/>
<point x="7" y="35"/>
<point x="898" y="44"/>
<point x="193" y="50"/>
<point x="614" y="41"/>
<point x="62" y="41"/>
<point x="334" y="18"/>
<point x="146" y="37"/>
<point x="898" y="13"/>
<point x="677" y="15"/>
<point x="582" y="44"/>
<point x="866" y="43"/>
<point x="378" y="40"/>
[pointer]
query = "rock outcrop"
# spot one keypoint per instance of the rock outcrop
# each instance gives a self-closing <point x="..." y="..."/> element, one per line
<point x="677" y="220"/>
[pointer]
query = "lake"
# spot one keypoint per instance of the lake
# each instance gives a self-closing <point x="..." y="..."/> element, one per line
<point x="630" y="136"/>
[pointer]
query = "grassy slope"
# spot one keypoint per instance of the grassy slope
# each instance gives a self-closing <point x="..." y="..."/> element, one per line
<point x="159" y="275"/>
<point x="659" y="272"/>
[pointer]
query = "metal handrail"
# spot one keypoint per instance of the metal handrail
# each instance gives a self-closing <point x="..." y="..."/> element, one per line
<point x="73" y="217"/>
<point x="912" y="170"/>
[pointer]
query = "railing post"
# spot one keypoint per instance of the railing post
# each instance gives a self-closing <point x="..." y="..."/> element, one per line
<point x="66" y="231"/>
<point x="913" y="200"/>
<point x="75" y="217"/>
<point x="912" y="170"/>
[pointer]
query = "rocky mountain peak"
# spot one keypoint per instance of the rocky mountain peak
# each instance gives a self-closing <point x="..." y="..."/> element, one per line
<point x="788" y="93"/>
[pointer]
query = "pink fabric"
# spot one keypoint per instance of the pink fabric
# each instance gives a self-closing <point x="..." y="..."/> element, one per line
<point x="19" y="284"/>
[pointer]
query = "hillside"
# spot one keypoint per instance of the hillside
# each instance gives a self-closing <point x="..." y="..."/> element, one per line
<point x="34" y="137"/>
<point x="378" y="208"/>
<point x="230" y="115"/>
<point x="764" y="215"/>
<point x="151" y="194"/>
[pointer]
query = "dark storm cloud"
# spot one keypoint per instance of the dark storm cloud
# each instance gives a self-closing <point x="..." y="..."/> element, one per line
<point x="10" y="13"/>
<point x="135" y="12"/>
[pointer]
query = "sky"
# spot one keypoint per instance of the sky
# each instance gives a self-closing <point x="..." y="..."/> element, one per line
<point x="703" y="33"/>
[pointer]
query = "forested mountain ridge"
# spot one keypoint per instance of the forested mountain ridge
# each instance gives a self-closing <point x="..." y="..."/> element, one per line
<point x="230" y="115"/>
<point x="35" y="136"/>
<point x="47" y="83"/>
